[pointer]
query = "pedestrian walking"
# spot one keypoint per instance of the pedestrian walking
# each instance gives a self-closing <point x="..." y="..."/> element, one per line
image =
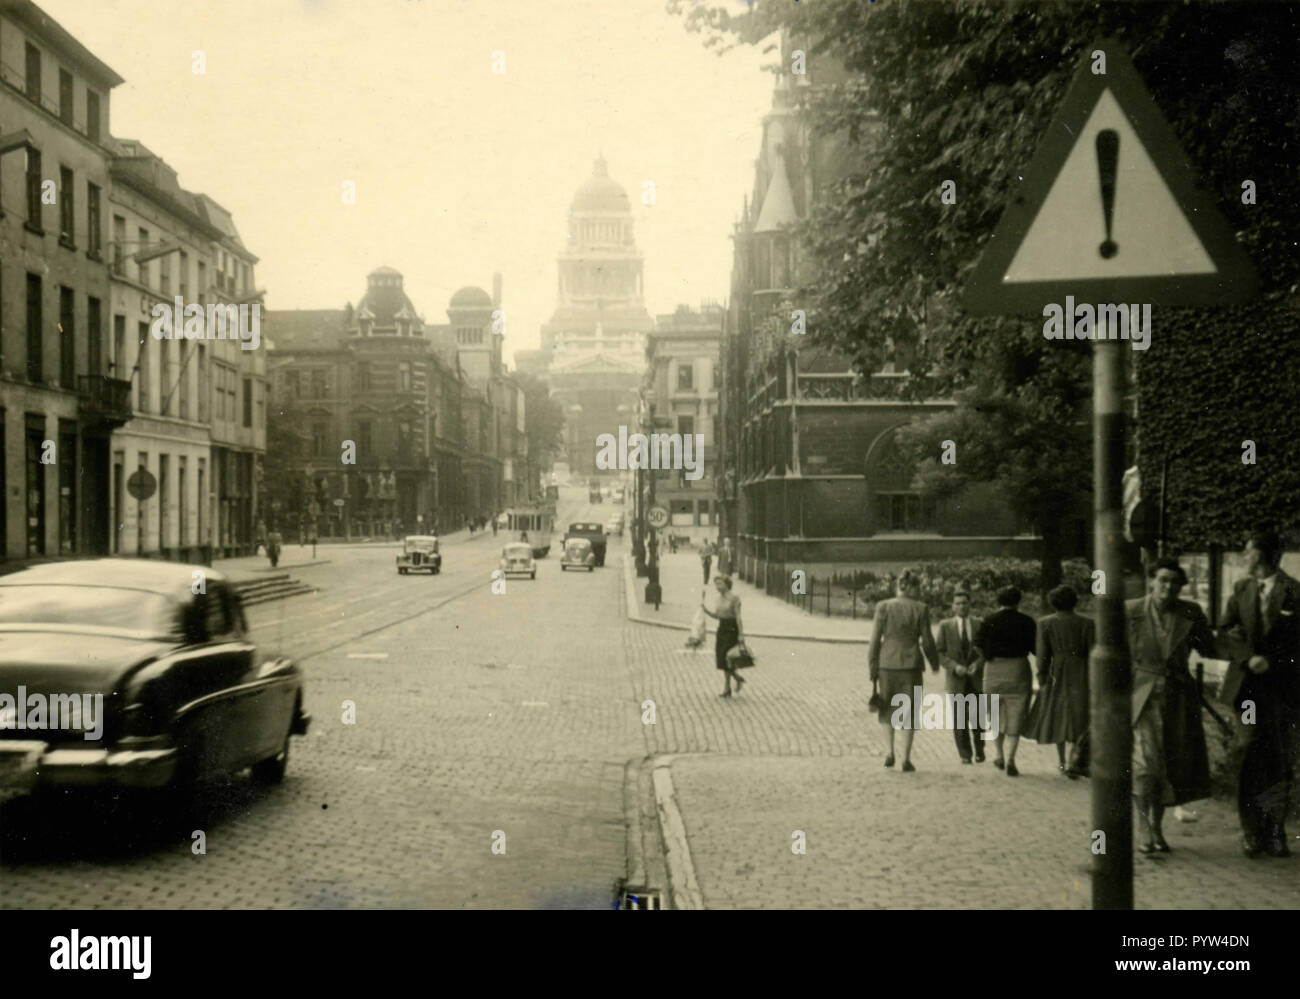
<point x="1170" y="764"/>
<point x="273" y="542"/>
<point x="706" y="559"/>
<point x="726" y="559"/>
<point x="1262" y="636"/>
<point x="957" y="645"/>
<point x="731" y="631"/>
<point x="495" y="525"/>
<point x="1060" y="714"/>
<point x="1007" y="640"/>
<point x="900" y="632"/>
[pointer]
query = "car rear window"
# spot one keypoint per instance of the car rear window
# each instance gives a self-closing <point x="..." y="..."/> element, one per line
<point x="96" y="606"/>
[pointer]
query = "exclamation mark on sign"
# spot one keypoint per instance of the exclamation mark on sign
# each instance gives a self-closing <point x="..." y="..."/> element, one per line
<point x="1107" y="162"/>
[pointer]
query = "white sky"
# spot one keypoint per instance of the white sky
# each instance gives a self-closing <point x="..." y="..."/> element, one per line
<point x="459" y="172"/>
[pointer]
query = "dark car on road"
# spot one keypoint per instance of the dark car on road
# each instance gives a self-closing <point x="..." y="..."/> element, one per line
<point x="593" y="532"/>
<point x="163" y="650"/>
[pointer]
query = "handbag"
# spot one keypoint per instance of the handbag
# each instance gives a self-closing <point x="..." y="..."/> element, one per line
<point x="875" y="703"/>
<point x="739" y="657"/>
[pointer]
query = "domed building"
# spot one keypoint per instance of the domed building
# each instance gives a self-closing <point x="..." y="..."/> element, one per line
<point x="595" y="340"/>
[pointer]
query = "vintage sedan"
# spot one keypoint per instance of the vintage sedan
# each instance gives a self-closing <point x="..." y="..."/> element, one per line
<point x="419" y="554"/>
<point x="517" y="560"/>
<point x="578" y="555"/>
<point x="116" y="673"/>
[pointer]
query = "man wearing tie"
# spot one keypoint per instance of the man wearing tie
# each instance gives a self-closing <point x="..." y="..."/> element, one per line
<point x="963" y="671"/>
<point x="1262" y="623"/>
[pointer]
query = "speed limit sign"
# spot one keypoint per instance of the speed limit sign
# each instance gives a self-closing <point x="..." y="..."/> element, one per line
<point x="657" y="517"/>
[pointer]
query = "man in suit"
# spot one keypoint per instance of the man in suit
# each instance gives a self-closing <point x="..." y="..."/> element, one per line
<point x="958" y="648"/>
<point x="1262" y="626"/>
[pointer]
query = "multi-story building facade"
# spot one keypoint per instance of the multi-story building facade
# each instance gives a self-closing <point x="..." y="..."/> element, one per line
<point x="682" y="392"/>
<point x="199" y="424"/>
<point x="96" y="231"/>
<point x="59" y="399"/>
<point x="812" y="475"/>
<point x="429" y="412"/>
<point x="593" y="346"/>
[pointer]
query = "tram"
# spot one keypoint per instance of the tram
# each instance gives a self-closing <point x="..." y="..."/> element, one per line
<point x="535" y="521"/>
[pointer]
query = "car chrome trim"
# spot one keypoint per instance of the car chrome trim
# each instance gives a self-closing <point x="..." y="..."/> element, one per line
<point x="252" y="686"/>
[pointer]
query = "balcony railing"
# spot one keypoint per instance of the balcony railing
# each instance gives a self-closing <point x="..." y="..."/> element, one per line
<point x="104" y="398"/>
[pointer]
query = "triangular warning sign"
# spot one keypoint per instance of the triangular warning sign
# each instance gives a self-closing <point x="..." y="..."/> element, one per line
<point x="1109" y="211"/>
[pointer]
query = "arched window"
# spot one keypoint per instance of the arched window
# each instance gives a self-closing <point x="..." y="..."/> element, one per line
<point x="894" y="504"/>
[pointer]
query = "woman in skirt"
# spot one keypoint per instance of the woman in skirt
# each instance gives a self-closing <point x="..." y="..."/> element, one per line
<point x="900" y="630"/>
<point x="1060" y="714"/>
<point x="730" y="630"/>
<point x="1006" y="642"/>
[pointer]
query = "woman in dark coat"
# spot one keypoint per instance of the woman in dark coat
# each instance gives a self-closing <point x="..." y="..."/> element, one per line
<point x="1060" y="714"/>
<point x="1170" y="762"/>
<point x="730" y="631"/>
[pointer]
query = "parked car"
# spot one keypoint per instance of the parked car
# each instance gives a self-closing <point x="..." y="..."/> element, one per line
<point x="578" y="554"/>
<point x="618" y="494"/>
<point x="419" y="554"/>
<point x="614" y="525"/>
<point x="517" y="559"/>
<point x="593" y="533"/>
<point x="183" y="694"/>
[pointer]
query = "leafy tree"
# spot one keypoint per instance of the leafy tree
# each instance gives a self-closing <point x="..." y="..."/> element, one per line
<point x="963" y="91"/>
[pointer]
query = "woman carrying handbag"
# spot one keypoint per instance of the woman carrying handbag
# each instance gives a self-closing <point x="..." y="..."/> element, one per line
<point x="730" y="631"/>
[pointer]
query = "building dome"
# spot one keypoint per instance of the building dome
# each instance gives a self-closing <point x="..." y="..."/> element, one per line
<point x="600" y="194"/>
<point x="471" y="297"/>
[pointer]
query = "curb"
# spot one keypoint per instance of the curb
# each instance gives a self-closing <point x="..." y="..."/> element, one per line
<point x="677" y="852"/>
<point x="633" y="605"/>
<point x="286" y="566"/>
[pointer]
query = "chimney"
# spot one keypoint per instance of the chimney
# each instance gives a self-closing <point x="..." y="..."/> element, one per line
<point x="496" y="290"/>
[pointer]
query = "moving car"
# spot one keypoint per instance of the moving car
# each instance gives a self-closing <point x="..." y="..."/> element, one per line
<point x="578" y="553"/>
<point x="593" y="533"/>
<point x="419" y="554"/>
<point x="517" y="559"/>
<point x="614" y="525"/>
<point x="144" y="682"/>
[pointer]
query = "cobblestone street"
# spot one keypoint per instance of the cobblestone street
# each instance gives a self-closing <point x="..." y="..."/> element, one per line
<point x="470" y="719"/>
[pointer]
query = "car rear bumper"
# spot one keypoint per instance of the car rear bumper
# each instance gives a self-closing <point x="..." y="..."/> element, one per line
<point x="25" y="765"/>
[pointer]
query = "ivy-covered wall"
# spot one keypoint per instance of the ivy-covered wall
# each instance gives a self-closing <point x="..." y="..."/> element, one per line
<point x="1211" y="381"/>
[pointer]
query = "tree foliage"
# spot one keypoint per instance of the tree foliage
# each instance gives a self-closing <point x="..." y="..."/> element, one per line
<point x="963" y="91"/>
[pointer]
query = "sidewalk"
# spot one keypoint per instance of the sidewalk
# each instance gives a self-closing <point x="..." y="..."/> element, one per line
<point x="949" y="836"/>
<point x="681" y="578"/>
<point x="253" y="566"/>
<point x="798" y="752"/>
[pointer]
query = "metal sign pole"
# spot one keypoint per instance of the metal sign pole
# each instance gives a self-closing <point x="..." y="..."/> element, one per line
<point x="1110" y="671"/>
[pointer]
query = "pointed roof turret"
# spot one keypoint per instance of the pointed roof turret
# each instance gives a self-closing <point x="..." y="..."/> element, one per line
<point x="778" y="210"/>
